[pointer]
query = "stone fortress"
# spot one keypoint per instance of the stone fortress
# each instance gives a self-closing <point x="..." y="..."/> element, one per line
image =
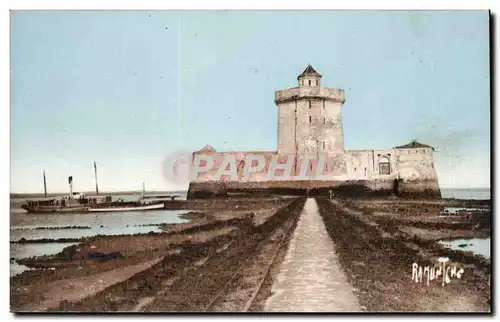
<point x="310" y="122"/>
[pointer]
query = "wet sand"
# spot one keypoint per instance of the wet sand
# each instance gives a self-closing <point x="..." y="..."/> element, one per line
<point x="230" y="257"/>
<point x="79" y="288"/>
<point x="135" y="249"/>
<point x="378" y="259"/>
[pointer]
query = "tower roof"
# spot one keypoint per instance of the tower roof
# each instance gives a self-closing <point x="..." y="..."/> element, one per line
<point x="309" y="71"/>
<point x="414" y="145"/>
<point x="207" y="148"/>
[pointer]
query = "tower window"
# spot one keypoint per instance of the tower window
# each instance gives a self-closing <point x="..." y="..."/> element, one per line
<point x="317" y="82"/>
<point x="310" y="119"/>
<point x="309" y="82"/>
<point x="310" y="104"/>
<point x="323" y="145"/>
<point x="324" y="121"/>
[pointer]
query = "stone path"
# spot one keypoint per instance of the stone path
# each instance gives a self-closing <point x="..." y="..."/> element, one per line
<point x="310" y="278"/>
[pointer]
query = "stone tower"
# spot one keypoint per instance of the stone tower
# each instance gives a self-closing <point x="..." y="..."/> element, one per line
<point x="309" y="117"/>
<point x="310" y="130"/>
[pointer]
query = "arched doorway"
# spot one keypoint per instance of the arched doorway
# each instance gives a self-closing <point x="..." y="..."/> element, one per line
<point x="384" y="165"/>
<point x="239" y="170"/>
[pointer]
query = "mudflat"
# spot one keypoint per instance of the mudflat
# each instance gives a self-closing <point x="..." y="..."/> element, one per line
<point x="234" y="254"/>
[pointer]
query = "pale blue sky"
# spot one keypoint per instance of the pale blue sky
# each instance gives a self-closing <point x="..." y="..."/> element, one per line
<point x="127" y="88"/>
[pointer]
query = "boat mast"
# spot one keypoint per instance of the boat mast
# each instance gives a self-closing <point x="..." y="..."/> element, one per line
<point x="44" y="184"/>
<point x="70" y="181"/>
<point x="95" y="172"/>
<point x="143" y="189"/>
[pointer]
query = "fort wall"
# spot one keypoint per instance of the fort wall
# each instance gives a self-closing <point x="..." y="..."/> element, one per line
<point x="310" y="123"/>
<point x="340" y="188"/>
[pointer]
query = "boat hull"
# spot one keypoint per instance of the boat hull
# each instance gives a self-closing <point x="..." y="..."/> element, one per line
<point x="51" y="210"/>
<point x="134" y="208"/>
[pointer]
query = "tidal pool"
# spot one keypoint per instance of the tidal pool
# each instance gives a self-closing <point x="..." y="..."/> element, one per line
<point x="116" y="223"/>
<point x="55" y="226"/>
<point x="454" y="210"/>
<point x="16" y="268"/>
<point x="479" y="246"/>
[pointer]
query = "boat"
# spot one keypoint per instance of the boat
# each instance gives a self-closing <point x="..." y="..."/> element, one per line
<point x="88" y="204"/>
<point x="142" y="204"/>
<point x="128" y="207"/>
<point x="76" y="202"/>
<point x="80" y="203"/>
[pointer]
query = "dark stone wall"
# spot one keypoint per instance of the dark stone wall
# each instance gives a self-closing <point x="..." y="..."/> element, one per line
<point x="418" y="189"/>
<point x="350" y="188"/>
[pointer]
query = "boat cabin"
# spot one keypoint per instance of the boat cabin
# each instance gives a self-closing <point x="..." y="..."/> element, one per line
<point x="66" y="201"/>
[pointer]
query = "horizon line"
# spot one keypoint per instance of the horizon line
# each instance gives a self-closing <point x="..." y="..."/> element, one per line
<point x="100" y="192"/>
<point x="186" y="190"/>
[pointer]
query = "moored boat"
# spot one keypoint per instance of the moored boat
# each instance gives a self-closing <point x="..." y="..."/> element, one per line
<point x="76" y="203"/>
<point x="79" y="202"/>
<point x="88" y="204"/>
<point x="128" y="207"/>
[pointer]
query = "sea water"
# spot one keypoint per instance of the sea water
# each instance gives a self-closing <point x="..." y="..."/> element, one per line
<point x="479" y="246"/>
<point x="23" y="225"/>
<point x="466" y="193"/>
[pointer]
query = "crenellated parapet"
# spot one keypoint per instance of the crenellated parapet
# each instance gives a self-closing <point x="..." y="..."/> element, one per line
<point x="315" y="92"/>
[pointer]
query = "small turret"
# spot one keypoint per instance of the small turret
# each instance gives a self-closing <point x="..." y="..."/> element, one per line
<point x="309" y="77"/>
